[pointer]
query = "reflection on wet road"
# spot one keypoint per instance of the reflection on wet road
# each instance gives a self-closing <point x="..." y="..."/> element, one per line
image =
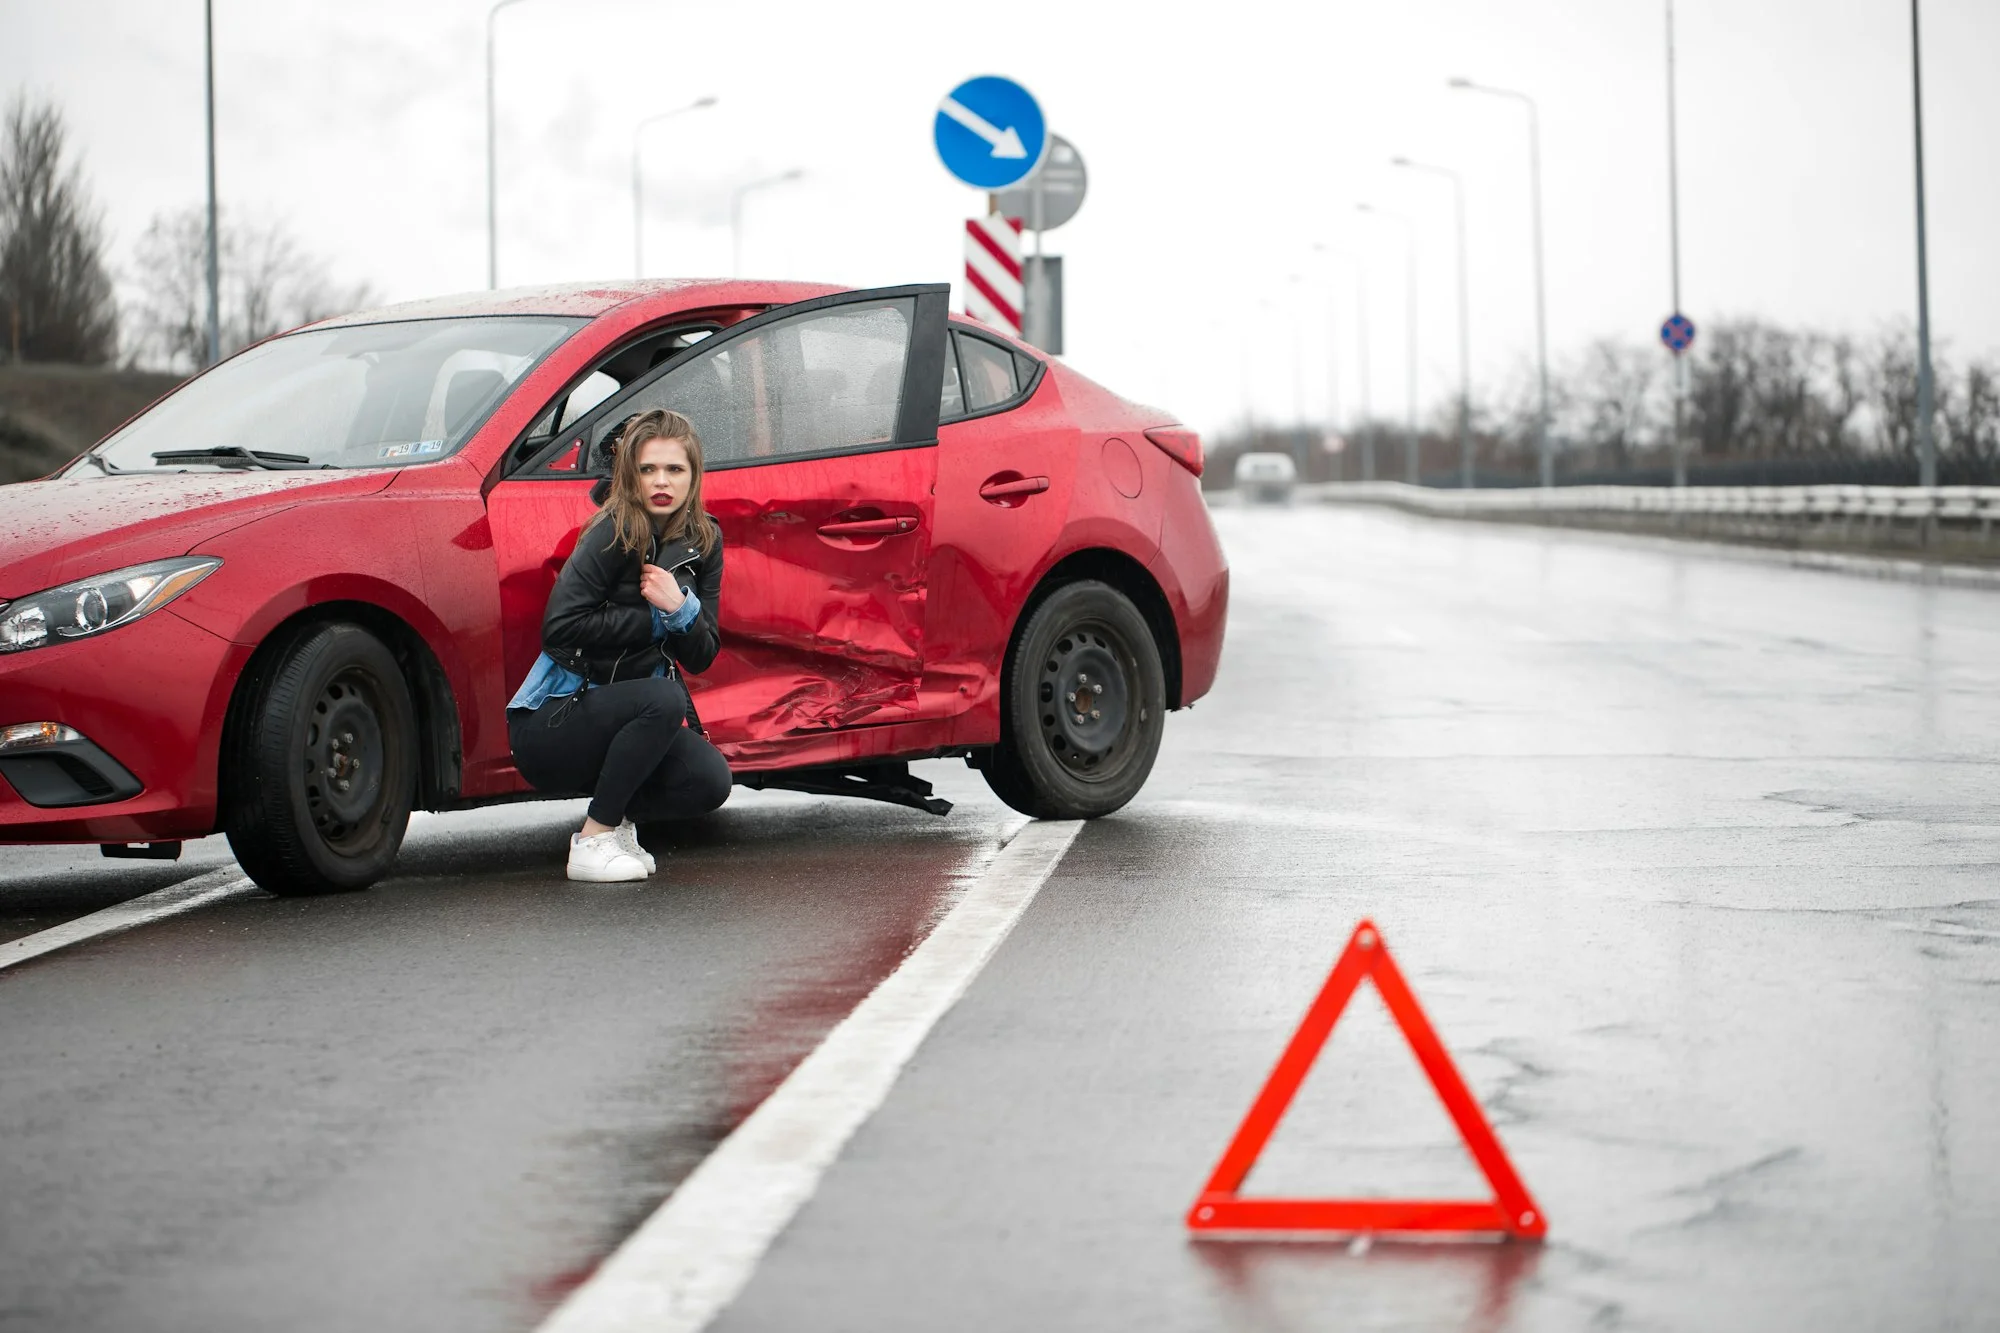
<point x="1694" y="864"/>
<point x="439" y="1103"/>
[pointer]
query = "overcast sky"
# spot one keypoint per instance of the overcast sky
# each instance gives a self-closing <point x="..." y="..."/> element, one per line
<point x="1223" y="142"/>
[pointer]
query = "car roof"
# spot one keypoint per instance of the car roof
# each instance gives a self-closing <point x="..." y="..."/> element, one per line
<point x="588" y="300"/>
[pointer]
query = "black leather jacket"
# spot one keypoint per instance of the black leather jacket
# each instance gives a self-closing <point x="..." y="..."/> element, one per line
<point x="598" y="625"/>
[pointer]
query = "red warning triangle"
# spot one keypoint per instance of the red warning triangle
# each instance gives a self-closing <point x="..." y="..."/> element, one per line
<point x="1510" y="1212"/>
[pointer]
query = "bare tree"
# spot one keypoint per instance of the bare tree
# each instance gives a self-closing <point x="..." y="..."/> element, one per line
<point x="55" y="295"/>
<point x="1891" y="377"/>
<point x="1614" y="408"/>
<point x="1721" y="380"/>
<point x="1972" y="416"/>
<point x="269" y="283"/>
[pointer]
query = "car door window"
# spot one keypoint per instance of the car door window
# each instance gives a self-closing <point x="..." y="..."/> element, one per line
<point x="531" y="454"/>
<point x="951" y="403"/>
<point x="989" y="372"/>
<point x="823" y="381"/>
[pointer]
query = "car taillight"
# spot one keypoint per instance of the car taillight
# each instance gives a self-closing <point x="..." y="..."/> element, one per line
<point x="1181" y="444"/>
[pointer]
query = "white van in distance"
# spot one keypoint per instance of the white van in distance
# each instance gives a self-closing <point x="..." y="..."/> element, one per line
<point x="1266" y="478"/>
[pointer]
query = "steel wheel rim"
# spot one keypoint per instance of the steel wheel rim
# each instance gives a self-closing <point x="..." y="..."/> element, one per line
<point x="1089" y="701"/>
<point x="345" y="762"/>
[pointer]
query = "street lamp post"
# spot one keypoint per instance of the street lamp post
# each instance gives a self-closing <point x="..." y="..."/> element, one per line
<point x="1465" y="470"/>
<point x="1410" y="469"/>
<point x="639" y="184"/>
<point x="1926" y="389"/>
<point x="214" y="241"/>
<point x="736" y="215"/>
<point x="1366" y="418"/>
<point x="1544" y="454"/>
<point x="1296" y="430"/>
<point x="492" y="223"/>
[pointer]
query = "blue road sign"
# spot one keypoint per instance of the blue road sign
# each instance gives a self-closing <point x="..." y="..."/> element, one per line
<point x="990" y="132"/>
<point x="1678" y="332"/>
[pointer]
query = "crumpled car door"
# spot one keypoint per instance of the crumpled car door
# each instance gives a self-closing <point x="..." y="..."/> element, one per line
<point x="818" y="423"/>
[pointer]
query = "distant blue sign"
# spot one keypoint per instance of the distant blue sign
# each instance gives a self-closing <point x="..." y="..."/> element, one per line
<point x="990" y="132"/>
<point x="1677" y="333"/>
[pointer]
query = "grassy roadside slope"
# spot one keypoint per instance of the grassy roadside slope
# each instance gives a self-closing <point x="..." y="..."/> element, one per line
<point x="51" y="413"/>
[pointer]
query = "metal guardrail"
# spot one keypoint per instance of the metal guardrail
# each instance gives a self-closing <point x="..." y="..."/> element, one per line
<point x="1932" y="524"/>
<point x="1977" y="506"/>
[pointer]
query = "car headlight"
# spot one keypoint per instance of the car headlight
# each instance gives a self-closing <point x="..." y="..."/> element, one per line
<point x="94" y="605"/>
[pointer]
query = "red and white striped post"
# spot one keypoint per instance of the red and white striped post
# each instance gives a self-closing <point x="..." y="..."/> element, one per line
<point x="993" y="290"/>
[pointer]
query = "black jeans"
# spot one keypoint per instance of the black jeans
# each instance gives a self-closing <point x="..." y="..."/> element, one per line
<point x="627" y="745"/>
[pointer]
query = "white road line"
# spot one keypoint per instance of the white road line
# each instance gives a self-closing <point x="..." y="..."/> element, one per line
<point x="692" y="1257"/>
<point x="213" y="887"/>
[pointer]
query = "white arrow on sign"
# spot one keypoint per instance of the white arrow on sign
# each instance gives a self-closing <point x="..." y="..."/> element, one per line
<point x="1006" y="143"/>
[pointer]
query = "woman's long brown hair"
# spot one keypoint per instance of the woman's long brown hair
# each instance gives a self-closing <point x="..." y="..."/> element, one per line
<point x="625" y="507"/>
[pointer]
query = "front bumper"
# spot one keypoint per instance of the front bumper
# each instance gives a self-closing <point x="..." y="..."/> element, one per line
<point x="150" y="699"/>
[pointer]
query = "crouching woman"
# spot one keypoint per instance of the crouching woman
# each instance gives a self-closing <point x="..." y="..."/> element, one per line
<point x="605" y="709"/>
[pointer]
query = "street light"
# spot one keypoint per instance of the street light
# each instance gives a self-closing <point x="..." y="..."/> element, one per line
<point x="1464" y="335"/>
<point x="1410" y="472"/>
<point x="736" y="215"/>
<point x="639" y="186"/>
<point x="1544" y="455"/>
<point x="214" y="242"/>
<point x="1926" y="441"/>
<point x="492" y="225"/>
<point x="1360" y="353"/>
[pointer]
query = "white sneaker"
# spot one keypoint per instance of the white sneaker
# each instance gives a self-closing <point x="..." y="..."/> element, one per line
<point x="628" y="834"/>
<point x="602" y="859"/>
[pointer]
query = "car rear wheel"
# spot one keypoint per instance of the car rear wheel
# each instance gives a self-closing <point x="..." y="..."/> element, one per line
<point x="320" y="771"/>
<point x="1084" y="709"/>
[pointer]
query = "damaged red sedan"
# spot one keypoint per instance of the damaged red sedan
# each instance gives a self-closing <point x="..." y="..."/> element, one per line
<point x="296" y="594"/>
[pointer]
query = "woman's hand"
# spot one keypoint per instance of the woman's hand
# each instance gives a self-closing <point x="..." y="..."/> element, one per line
<point x="657" y="586"/>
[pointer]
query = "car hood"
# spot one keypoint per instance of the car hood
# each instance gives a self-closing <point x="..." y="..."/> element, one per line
<point x="54" y="531"/>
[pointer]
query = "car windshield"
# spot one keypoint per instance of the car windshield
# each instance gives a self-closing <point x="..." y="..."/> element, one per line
<point x="370" y="395"/>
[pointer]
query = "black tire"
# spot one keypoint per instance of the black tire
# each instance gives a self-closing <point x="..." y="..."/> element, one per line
<point x="320" y="765"/>
<point x="1055" y="761"/>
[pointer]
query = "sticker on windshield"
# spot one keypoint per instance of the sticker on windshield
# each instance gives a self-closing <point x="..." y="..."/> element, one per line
<point x="411" y="449"/>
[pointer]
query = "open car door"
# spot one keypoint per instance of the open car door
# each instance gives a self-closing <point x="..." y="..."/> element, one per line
<point x="818" y="423"/>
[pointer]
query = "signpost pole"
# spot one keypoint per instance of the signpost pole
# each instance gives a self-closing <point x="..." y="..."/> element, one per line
<point x="1674" y="233"/>
<point x="1038" y="278"/>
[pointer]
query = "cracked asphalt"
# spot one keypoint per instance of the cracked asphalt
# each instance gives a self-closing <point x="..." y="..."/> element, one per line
<point x="1694" y="864"/>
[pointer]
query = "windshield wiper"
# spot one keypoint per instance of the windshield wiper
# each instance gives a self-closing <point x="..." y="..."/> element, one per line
<point x="102" y="466"/>
<point x="223" y="454"/>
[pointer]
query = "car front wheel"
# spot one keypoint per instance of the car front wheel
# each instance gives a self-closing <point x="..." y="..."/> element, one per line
<point x="320" y="770"/>
<point x="1084" y="709"/>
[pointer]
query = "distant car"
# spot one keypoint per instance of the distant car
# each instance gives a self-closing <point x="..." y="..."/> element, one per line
<point x="318" y="570"/>
<point x="1267" y="478"/>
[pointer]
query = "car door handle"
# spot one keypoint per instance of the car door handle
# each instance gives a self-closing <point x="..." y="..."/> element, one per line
<point x="869" y="527"/>
<point x="1001" y="490"/>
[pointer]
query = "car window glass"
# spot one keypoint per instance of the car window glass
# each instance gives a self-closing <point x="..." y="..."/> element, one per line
<point x="827" y="379"/>
<point x="951" y="402"/>
<point x="366" y="395"/>
<point x="594" y="390"/>
<point x="988" y="371"/>
<point x="1025" y="367"/>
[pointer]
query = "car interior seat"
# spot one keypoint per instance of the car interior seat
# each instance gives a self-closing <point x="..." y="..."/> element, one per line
<point x="468" y="393"/>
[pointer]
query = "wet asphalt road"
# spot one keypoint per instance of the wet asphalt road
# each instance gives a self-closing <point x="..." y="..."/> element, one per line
<point x="1694" y="863"/>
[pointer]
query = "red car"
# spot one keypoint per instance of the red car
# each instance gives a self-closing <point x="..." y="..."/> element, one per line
<point x="318" y="570"/>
